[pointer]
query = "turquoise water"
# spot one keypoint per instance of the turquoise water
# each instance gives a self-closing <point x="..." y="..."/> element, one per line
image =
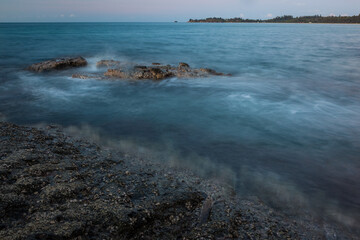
<point x="285" y="127"/>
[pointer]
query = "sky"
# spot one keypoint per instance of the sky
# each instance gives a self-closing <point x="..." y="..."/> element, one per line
<point x="165" y="10"/>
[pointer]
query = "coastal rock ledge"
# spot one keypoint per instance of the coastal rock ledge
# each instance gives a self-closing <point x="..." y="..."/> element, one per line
<point x="159" y="72"/>
<point x="58" y="64"/>
<point x="53" y="186"/>
<point x="118" y="70"/>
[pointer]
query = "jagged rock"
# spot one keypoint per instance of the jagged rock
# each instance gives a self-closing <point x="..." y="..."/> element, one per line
<point x="58" y="64"/>
<point x="107" y="63"/>
<point x="161" y="72"/>
<point x="183" y="66"/>
<point x="140" y="72"/>
<point x="87" y="192"/>
<point x="156" y="71"/>
<point x="62" y="191"/>
<point x="213" y="72"/>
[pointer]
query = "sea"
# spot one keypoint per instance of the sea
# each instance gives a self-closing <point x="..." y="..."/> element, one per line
<point x="284" y="128"/>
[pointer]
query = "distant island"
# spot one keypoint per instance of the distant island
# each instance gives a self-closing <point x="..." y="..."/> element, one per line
<point x="284" y="19"/>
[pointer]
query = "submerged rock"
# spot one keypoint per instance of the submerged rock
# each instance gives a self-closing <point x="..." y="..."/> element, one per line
<point x="80" y="76"/>
<point x="213" y="72"/>
<point x="107" y="63"/>
<point x="87" y="76"/>
<point x="58" y="64"/>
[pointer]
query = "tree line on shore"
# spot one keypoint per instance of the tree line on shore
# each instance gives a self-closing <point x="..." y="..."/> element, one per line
<point x="284" y="19"/>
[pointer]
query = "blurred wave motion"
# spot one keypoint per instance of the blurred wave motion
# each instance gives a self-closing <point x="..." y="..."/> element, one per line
<point x="284" y="127"/>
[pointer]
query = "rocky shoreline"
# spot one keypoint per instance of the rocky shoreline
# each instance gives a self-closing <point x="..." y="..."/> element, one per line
<point x="56" y="186"/>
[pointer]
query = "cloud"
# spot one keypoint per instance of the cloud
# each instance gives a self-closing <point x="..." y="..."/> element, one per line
<point x="165" y="10"/>
<point x="269" y="15"/>
<point x="300" y="4"/>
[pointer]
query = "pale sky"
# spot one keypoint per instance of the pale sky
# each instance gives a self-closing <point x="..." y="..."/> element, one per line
<point x="165" y="10"/>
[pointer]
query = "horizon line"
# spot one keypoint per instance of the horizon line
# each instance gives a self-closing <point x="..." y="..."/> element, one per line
<point x="173" y="21"/>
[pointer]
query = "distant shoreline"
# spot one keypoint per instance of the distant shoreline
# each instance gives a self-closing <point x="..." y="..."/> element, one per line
<point x="277" y="23"/>
<point x="285" y="19"/>
<point x="4" y="23"/>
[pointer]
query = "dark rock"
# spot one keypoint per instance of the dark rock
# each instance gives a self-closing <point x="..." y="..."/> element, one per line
<point x="158" y="73"/>
<point x="86" y="192"/>
<point x="140" y="67"/>
<point x="62" y="191"/>
<point x="139" y="72"/>
<point x="116" y="73"/>
<point x="213" y="72"/>
<point x="12" y="205"/>
<point x="161" y="72"/>
<point x="30" y="184"/>
<point x="58" y="64"/>
<point x="183" y="66"/>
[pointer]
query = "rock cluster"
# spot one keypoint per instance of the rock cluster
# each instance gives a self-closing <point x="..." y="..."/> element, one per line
<point x="58" y="64"/>
<point x="117" y="70"/>
<point x="159" y="72"/>
<point x="57" y="187"/>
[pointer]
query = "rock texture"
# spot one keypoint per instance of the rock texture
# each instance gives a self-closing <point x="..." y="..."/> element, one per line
<point x="53" y="186"/>
<point x="140" y="72"/>
<point x="58" y="64"/>
<point x="108" y="63"/>
<point x="117" y="70"/>
<point x="159" y="72"/>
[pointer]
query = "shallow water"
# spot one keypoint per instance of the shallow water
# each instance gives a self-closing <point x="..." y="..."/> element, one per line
<point x="285" y="127"/>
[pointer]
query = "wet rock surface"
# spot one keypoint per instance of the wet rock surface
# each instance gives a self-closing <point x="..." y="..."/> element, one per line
<point x="58" y="187"/>
<point x="158" y="72"/>
<point x="58" y="64"/>
<point x="87" y="76"/>
<point x="155" y="71"/>
<point x="118" y="70"/>
<point x="108" y="63"/>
